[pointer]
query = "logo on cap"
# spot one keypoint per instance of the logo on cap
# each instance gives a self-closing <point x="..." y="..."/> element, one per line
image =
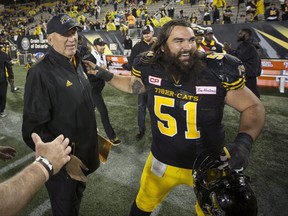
<point x="65" y="18"/>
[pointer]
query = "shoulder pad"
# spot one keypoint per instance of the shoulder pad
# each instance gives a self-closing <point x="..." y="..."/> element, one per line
<point x="141" y="60"/>
<point x="228" y="69"/>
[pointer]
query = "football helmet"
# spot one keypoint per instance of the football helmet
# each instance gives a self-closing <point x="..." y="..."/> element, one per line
<point x="220" y="191"/>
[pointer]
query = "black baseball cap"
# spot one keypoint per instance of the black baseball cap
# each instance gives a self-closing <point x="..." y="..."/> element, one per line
<point x="61" y="24"/>
<point x="99" y="42"/>
<point x="199" y="32"/>
<point x="147" y="29"/>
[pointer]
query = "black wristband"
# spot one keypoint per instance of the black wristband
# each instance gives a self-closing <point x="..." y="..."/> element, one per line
<point x="45" y="162"/>
<point x="244" y="138"/>
<point x="103" y="74"/>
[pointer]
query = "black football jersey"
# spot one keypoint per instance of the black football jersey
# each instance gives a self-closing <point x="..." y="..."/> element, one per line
<point x="186" y="118"/>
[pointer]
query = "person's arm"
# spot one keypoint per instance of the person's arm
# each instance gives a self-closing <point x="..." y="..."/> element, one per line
<point x="37" y="107"/>
<point x="252" y="119"/>
<point x="252" y="112"/>
<point x="18" y="190"/>
<point x="128" y="84"/>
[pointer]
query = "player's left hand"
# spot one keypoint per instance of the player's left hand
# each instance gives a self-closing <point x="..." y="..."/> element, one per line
<point x="7" y="152"/>
<point x="237" y="152"/>
<point x="74" y="169"/>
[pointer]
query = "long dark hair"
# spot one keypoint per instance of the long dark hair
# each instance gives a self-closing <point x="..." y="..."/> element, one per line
<point x="163" y="36"/>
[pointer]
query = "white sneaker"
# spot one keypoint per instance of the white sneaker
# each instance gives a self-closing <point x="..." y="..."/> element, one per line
<point x="3" y="115"/>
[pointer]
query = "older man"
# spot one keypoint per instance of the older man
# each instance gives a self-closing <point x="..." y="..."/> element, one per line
<point x="58" y="100"/>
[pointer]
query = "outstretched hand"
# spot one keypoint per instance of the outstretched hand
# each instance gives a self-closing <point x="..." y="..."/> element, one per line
<point x="57" y="151"/>
<point x="7" y="153"/>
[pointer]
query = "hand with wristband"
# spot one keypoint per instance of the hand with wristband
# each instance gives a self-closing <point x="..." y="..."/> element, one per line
<point x="53" y="155"/>
<point x="19" y="189"/>
<point x="237" y="152"/>
<point x="98" y="71"/>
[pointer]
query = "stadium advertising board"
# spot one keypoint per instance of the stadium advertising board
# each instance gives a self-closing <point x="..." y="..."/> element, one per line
<point x="31" y="44"/>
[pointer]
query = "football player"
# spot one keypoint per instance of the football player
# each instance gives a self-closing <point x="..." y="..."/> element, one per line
<point x="186" y="97"/>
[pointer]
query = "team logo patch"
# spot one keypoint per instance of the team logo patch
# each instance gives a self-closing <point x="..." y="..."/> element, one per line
<point x="68" y="83"/>
<point x="155" y="80"/>
<point x="212" y="90"/>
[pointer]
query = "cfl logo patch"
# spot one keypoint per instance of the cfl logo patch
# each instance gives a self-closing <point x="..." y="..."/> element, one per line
<point x="155" y="80"/>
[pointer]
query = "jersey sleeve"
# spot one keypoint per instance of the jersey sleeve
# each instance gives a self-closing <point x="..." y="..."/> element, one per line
<point x="229" y="70"/>
<point x="139" y="63"/>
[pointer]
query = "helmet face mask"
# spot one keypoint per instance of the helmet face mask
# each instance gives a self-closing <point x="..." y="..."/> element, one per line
<point x="222" y="192"/>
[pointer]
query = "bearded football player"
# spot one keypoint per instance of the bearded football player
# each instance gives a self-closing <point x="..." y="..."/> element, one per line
<point x="187" y="93"/>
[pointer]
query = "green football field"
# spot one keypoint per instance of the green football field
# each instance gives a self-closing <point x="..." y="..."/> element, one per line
<point x="112" y="188"/>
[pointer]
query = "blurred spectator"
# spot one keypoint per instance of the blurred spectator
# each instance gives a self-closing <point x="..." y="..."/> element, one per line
<point x="207" y="17"/>
<point x="209" y="44"/>
<point x="259" y="10"/>
<point x="284" y="9"/>
<point x="247" y="53"/>
<point x="131" y="21"/>
<point x="250" y="11"/>
<point x="164" y="19"/>
<point x="193" y="18"/>
<point x="171" y="11"/>
<point x="127" y="44"/>
<point x="123" y="29"/>
<point x="227" y="14"/>
<point x="272" y="13"/>
<point x="199" y="36"/>
<point x="216" y="15"/>
<point x="110" y="26"/>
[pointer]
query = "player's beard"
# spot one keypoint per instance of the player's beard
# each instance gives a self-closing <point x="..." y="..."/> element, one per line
<point x="242" y="38"/>
<point x="182" y="70"/>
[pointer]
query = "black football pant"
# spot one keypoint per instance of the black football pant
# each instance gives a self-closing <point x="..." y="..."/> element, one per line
<point x="142" y="104"/>
<point x="3" y="95"/>
<point x="65" y="194"/>
<point x="101" y="107"/>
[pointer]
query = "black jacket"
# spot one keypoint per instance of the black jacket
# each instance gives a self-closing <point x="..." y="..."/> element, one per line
<point x="5" y="64"/>
<point x="247" y="53"/>
<point x="58" y="100"/>
<point x="138" y="48"/>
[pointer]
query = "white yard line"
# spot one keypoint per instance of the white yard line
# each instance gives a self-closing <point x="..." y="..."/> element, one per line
<point x="41" y="209"/>
<point x="16" y="163"/>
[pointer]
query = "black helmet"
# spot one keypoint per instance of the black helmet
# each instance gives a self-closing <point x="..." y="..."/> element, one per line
<point x="223" y="192"/>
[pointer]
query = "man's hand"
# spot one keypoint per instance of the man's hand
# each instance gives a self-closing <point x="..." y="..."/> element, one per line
<point x="99" y="72"/>
<point x="7" y="153"/>
<point x="226" y="47"/>
<point x="74" y="169"/>
<point x="56" y="152"/>
<point x="90" y="67"/>
<point x="237" y="152"/>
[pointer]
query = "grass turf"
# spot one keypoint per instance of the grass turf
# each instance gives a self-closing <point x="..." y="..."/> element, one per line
<point x="112" y="189"/>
